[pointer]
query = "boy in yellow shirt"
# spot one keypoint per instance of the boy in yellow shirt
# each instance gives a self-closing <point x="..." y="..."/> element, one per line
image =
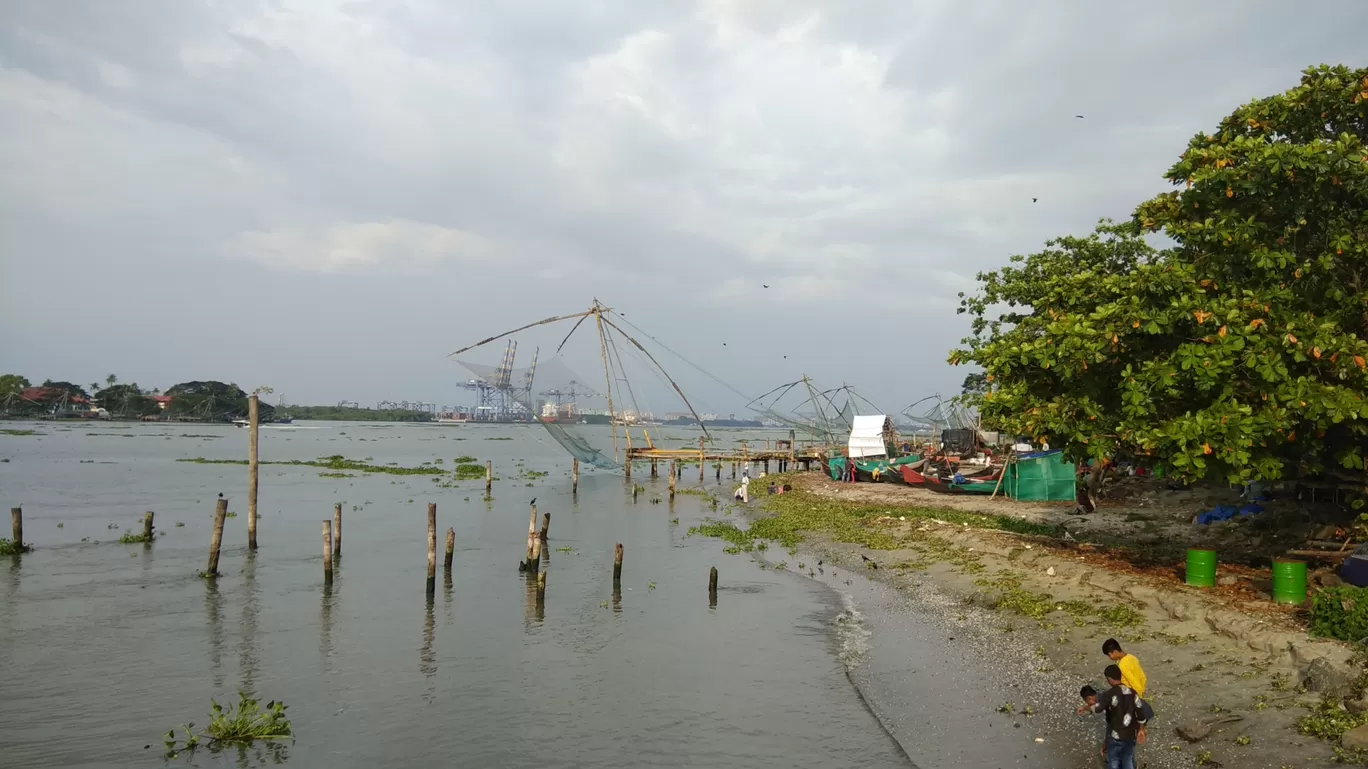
<point x="1132" y="675"/>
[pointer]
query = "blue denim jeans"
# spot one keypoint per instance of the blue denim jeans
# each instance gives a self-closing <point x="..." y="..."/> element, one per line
<point x="1121" y="754"/>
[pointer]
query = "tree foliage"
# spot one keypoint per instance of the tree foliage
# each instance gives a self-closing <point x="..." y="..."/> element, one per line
<point x="126" y="400"/>
<point x="1240" y="351"/>
<point x="209" y="400"/>
<point x="12" y="384"/>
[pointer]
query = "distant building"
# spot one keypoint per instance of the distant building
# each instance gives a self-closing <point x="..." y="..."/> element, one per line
<point x="162" y="401"/>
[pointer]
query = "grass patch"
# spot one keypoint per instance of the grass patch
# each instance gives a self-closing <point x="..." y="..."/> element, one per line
<point x="741" y="541"/>
<point x="336" y="475"/>
<point x="11" y="431"/>
<point x="134" y="538"/>
<point x="336" y="462"/>
<point x="1328" y="720"/>
<point x="12" y="548"/>
<point x="464" y="461"/>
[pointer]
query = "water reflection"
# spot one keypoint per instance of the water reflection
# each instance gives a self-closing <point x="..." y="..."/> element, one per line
<point x="427" y="657"/>
<point x="213" y="609"/>
<point x="534" y="610"/>
<point x="248" y="660"/>
<point x="325" y="642"/>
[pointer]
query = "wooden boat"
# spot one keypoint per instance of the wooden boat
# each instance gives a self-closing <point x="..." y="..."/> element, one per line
<point x="912" y="476"/>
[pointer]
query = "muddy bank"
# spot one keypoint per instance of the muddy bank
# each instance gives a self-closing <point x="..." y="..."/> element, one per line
<point x="1038" y="608"/>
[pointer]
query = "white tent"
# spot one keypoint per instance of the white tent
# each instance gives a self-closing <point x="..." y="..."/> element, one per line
<point x="867" y="436"/>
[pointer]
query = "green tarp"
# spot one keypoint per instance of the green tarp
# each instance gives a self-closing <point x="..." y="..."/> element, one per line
<point x="1041" y="477"/>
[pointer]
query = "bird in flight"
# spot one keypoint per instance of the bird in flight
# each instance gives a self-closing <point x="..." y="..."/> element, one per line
<point x="763" y="285"/>
<point x="724" y="344"/>
<point x="1080" y="117"/>
<point x="1034" y="199"/>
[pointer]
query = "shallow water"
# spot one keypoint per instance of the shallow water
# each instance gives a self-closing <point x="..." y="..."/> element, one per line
<point x="108" y="645"/>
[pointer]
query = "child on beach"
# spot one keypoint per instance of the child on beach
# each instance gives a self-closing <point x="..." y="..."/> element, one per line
<point x="1089" y="696"/>
<point x="1127" y="715"/>
<point x="1132" y="675"/>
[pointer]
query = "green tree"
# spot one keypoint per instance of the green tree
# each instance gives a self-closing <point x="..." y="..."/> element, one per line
<point x="212" y="401"/>
<point x="1241" y="352"/>
<point x="126" y="400"/>
<point x="12" y="385"/>
<point x="111" y="380"/>
<point x="975" y="384"/>
<point x="69" y="388"/>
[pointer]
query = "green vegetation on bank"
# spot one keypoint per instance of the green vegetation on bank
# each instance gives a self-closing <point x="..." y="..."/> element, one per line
<point x="12" y="548"/>
<point x="353" y="414"/>
<point x="787" y="517"/>
<point x="1340" y="613"/>
<point x="336" y="463"/>
<point x="19" y="432"/>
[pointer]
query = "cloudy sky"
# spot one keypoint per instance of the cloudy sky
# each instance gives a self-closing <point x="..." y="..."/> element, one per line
<point x="328" y="197"/>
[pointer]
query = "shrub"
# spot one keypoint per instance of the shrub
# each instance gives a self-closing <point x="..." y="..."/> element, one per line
<point x="1340" y="613"/>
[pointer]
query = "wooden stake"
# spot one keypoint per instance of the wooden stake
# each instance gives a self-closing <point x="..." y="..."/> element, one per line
<point x="337" y="528"/>
<point x="719" y="473"/>
<point x="712" y="580"/>
<point x="655" y="472"/>
<point x="672" y="479"/>
<point x="546" y="526"/>
<point x="253" y="420"/>
<point x="327" y="552"/>
<point x="533" y="559"/>
<point x="489" y="478"/>
<point x="450" y="552"/>
<point x="574" y="477"/>
<point x="733" y="464"/>
<point x="432" y="550"/>
<point x="701" y="459"/>
<point x="617" y="564"/>
<point x="147" y="526"/>
<point x="17" y="524"/>
<point x="216" y="539"/>
<point x="627" y="465"/>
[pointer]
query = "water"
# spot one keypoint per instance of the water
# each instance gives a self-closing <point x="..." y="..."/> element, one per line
<point x="108" y="645"/>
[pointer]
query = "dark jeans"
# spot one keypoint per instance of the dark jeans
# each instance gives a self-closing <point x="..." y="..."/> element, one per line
<point x="1121" y="754"/>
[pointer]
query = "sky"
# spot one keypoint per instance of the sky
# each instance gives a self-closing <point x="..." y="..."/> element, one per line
<point x="327" y="198"/>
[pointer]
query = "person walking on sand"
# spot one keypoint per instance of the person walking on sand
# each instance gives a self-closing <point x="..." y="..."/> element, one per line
<point x="1126" y="719"/>
<point x="1132" y="675"/>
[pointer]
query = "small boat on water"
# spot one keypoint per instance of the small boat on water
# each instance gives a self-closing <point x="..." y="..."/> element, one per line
<point x="241" y="423"/>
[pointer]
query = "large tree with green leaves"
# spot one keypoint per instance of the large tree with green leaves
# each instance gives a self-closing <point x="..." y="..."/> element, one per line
<point x="126" y="400"/>
<point x="1238" y="352"/>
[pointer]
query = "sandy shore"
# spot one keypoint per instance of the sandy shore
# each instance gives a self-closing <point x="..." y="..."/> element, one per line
<point x="1040" y="608"/>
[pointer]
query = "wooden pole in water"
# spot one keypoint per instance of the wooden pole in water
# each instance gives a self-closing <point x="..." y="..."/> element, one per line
<point x="17" y="525"/>
<point x="253" y="422"/>
<point x="617" y="564"/>
<point x="574" y="477"/>
<point x="327" y="552"/>
<point x="337" y="528"/>
<point x="546" y="526"/>
<point x="627" y="465"/>
<point x="432" y="550"/>
<point x="533" y="559"/>
<point x="701" y="459"/>
<point x="147" y="526"/>
<point x="733" y="464"/>
<point x="719" y="473"/>
<point x="216" y="539"/>
<point x="655" y="471"/>
<point x="450" y="552"/>
<point x="672" y="479"/>
<point x="489" y="477"/>
<point x="712" y="581"/>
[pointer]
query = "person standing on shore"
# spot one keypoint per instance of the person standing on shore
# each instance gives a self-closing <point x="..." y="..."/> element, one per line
<point x="1132" y="675"/>
<point x="1126" y="719"/>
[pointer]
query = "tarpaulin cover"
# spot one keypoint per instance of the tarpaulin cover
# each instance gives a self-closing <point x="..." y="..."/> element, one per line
<point x="1042" y="476"/>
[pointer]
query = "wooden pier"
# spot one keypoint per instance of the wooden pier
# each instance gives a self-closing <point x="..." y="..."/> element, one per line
<point x="784" y="454"/>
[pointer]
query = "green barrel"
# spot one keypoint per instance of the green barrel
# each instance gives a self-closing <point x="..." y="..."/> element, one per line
<point x="1201" y="568"/>
<point x="1289" y="581"/>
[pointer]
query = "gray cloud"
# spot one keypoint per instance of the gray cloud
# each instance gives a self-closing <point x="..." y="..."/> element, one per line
<point x="329" y="196"/>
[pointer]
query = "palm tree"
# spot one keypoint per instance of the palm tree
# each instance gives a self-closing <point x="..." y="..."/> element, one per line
<point x="111" y="380"/>
<point x="94" y="387"/>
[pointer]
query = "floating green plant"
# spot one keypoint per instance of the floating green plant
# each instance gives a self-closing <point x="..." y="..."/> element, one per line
<point x="11" y="431"/>
<point x="468" y="471"/>
<point x="339" y="475"/>
<point x="244" y="723"/>
<point x="11" y="548"/>
<point x="133" y="538"/>
<point x="335" y="462"/>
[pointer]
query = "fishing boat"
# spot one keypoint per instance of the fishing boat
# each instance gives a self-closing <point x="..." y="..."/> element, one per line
<point x="241" y="423"/>
<point x="984" y="486"/>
